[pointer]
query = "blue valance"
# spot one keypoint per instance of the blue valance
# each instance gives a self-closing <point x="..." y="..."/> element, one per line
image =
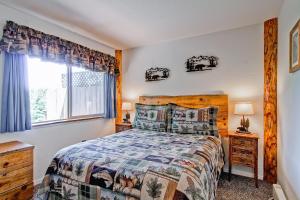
<point x="18" y="39"/>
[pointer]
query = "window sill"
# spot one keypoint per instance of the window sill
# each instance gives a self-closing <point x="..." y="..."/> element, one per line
<point x="66" y="121"/>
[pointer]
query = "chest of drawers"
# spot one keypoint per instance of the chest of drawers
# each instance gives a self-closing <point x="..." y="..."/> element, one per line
<point x="16" y="171"/>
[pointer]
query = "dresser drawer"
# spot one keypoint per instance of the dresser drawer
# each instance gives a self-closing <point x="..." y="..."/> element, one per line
<point x="15" y="160"/>
<point x="23" y="192"/>
<point x="16" y="178"/>
<point x="242" y="142"/>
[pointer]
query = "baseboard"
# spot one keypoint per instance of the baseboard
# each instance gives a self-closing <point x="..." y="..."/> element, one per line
<point x="278" y="193"/>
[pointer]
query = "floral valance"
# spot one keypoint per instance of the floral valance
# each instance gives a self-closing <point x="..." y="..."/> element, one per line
<point x="24" y="40"/>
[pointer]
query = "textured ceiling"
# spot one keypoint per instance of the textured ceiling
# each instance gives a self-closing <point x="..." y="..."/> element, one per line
<point x="130" y="23"/>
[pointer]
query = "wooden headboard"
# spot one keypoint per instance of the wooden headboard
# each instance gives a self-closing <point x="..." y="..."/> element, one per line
<point x="196" y="101"/>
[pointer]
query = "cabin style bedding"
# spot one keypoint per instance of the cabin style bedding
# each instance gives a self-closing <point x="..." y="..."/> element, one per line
<point x="136" y="164"/>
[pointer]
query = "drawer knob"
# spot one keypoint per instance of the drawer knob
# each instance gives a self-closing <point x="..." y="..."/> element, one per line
<point x="5" y="164"/>
<point x="24" y="187"/>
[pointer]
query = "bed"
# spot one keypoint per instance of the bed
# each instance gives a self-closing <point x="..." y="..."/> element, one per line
<point x="141" y="164"/>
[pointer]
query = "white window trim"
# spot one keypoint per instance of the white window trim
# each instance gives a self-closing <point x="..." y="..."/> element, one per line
<point x="64" y="121"/>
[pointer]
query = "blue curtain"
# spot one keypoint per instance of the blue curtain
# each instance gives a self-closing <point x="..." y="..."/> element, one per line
<point x="109" y="95"/>
<point x="15" y="113"/>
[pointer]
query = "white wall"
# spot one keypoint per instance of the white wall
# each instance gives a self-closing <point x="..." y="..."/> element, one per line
<point x="239" y="73"/>
<point x="49" y="139"/>
<point x="289" y="107"/>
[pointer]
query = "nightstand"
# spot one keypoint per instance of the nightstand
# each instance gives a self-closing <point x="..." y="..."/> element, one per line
<point x="243" y="150"/>
<point x="123" y="127"/>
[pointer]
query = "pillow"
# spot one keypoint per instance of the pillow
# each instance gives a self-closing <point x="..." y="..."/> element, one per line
<point x="193" y="120"/>
<point x="151" y="117"/>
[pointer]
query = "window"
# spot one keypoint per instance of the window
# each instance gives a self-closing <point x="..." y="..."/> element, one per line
<point x="87" y="92"/>
<point x="60" y="92"/>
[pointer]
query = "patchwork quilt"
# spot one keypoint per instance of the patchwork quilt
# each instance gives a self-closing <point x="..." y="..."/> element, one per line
<point x="136" y="164"/>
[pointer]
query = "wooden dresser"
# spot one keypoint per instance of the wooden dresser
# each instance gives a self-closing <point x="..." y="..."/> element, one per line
<point x="243" y="150"/>
<point x="16" y="171"/>
<point x="123" y="127"/>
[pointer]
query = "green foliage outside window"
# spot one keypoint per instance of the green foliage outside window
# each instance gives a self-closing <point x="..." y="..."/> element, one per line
<point x="38" y="105"/>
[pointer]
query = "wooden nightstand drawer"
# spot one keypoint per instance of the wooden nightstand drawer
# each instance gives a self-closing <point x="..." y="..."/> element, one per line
<point x="242" y="160"/>
<point x="242" y="151"/>
<point x="242" y="142"/>
<point x="23" y="192"/>
<point x="123" y="127"/>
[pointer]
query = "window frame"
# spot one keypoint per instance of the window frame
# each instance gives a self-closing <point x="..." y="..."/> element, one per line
<point x="69" y="89"/>
<point x="70" y="117"/>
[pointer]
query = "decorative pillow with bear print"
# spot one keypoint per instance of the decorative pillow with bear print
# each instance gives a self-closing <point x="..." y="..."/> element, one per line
<point x="193" y="120"/>
<point x="151" y="117"/>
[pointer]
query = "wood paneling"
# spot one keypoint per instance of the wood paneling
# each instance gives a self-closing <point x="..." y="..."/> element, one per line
<point x="118" y="55"/>
<point x="196" y="101"/>
<point x="270" y="100"/>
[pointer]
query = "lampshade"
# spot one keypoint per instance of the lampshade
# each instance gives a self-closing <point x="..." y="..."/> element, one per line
<point x="243" y="109"/>
<point x="126" y="106"/>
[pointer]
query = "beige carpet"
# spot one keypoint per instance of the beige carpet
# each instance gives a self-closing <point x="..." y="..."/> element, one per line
<point x="242" y="188"/>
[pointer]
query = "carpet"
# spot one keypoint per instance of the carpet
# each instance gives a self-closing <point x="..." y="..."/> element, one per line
<point x="242" y="188"/>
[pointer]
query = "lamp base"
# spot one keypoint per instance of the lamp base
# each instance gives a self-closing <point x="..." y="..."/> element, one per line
<point x="127" y="118"/>
<point x="242" y="132"/>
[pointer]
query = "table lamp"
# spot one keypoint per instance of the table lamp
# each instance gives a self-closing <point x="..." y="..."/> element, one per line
<point x="126" y="106"/>
<point x="243" y="109"/>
